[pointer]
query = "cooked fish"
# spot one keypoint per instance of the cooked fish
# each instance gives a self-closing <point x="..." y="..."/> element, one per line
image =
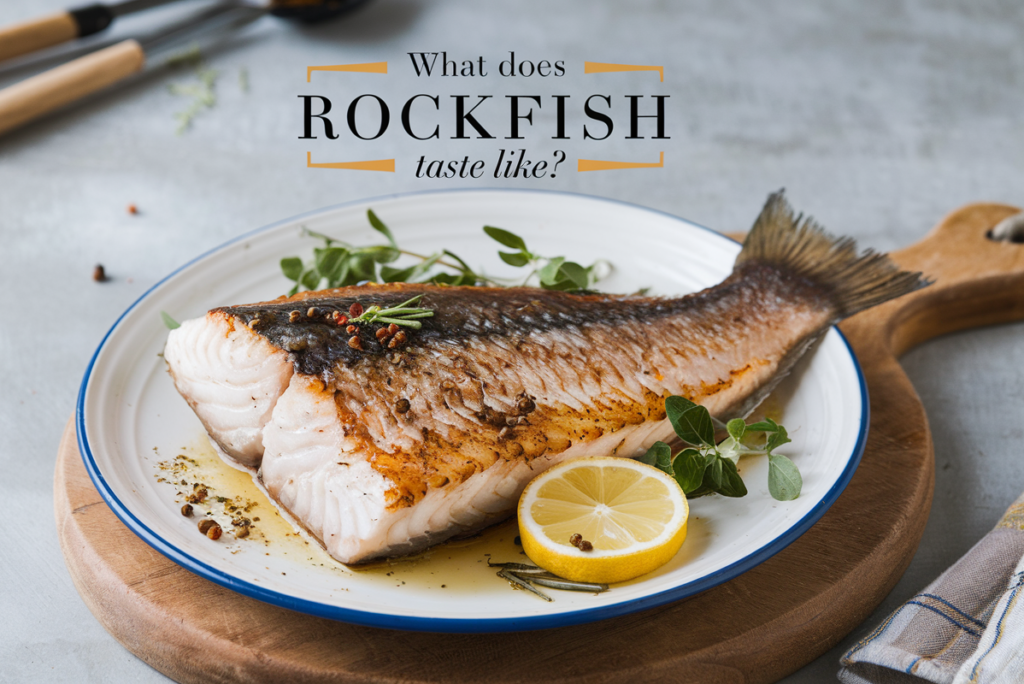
<point x="383" y="449"/>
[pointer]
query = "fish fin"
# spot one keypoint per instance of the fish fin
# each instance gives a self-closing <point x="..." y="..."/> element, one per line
<point x="798" y="245"/>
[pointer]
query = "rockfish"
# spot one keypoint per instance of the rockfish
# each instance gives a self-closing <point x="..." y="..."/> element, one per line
<point x="382" y="444"/>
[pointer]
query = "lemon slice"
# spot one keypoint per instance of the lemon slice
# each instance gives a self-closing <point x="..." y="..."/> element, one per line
<point x="633" y="515"/>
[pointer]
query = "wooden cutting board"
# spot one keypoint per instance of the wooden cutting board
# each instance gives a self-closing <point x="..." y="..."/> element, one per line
<point x="759" y="627"/>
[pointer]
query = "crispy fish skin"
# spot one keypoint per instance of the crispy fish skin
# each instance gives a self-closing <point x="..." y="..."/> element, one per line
<point x="384" y="451"/>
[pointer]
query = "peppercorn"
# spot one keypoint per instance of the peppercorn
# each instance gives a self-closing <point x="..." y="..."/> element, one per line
<point x="576" y="539"/>
<point x="339" y="318"/>
<point x="526" y="405"/>
<point x="242" y="532"/>
<point x="198" y="495"/>
<point x="356" y="310"/>
<point x="381" y="334"/>
<point x="398" y="340"/>
<point x="312" y="312"/>
<point x="402" y="405"/>
<point x="586" y="546"/>
<point x="132" y="209"/>
<point x="214" y="532"/>
<point x="205" y="524"/>
<point x="351" y="329"/>
<point x="355" y="342"/>
<point x="186" y="510"/>
<point x="99" y="274"/>
<point x="294" y="316"/>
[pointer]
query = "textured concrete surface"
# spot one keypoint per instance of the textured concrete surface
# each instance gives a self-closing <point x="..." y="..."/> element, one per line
<point x="878" y="117"/>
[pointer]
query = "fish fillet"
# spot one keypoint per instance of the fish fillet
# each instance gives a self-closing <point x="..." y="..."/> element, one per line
<point x="384" y="451"/>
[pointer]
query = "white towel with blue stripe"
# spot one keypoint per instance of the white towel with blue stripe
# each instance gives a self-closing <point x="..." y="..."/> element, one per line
<point x="966" y="627"/>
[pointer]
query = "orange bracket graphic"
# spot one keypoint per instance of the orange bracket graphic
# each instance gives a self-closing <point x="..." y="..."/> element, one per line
<point x="367" y="68"/>
<point x="599" y="165"/>
<point x="604" y="68"/>
<point x="373" y="165"/>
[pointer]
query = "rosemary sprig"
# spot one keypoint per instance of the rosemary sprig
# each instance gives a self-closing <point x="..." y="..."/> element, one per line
<point x="404" y="314"/>
<point x="525" y="576"/>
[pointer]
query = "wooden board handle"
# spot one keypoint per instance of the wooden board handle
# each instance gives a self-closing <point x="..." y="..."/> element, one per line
<point x="33" y="97"/>
<point x="36" y="34"/>
<point x="977" y="281"/>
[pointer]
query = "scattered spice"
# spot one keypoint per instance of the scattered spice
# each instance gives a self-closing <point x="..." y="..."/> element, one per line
<point x="214" y="532"/>
<point x="398" y="340"/>
<point x="294" y="316"/>
<point x="382" y="335"/>
<point x="198" y="496"/>
<point x="205" y="524"/>
<point x="132" y="209"/>
<point x="312" y="312"/>
<point x="351" y="329"/>
<point x="355" y="310"/>
<point x="355" y="342"/>
<point x="526" y="405"/>
<point x="99" y="274"/>
<point x="186" y="510"/>
<point x="586" y="546"/>
<point x="339" y="318"/>
<point x="392" y="328"/>
<point x="242" y="532"/>
<point x="576" y="539"/>
<point x="402" y="405"/>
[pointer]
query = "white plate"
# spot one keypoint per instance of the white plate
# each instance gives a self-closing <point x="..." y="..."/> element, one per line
<point x="128" y="407"/>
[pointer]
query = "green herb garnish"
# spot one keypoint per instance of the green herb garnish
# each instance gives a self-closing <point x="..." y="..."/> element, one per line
<point x="201" y="93"/>
<point x="168" y="321"/>
<point x="554" y="273"/>
<point x="339" y="264"/>
<point x="705" y="467"/>
<point x="404" y="314"/>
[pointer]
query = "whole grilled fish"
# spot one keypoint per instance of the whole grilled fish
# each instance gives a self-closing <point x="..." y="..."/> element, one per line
<point x="384" y="448"/>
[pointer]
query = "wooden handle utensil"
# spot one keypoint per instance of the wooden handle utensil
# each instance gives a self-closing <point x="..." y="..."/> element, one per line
<point x="51" y="90"/>
<point x="36" y="34"/>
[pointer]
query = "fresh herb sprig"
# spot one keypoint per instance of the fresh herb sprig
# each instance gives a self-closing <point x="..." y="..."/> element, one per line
<point x="338" y="264"/>
<point x="554" y="273"/>
<point x="707" y="467"/>
<point x="404" y="314"/>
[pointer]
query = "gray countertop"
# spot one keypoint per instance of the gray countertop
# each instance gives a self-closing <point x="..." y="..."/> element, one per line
<point x="877" y="117"/>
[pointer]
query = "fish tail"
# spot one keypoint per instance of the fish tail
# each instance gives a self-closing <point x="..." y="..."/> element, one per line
<point x="797" y="245"/>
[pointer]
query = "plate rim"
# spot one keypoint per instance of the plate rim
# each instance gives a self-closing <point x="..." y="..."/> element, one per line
<point x="442" y="624"/>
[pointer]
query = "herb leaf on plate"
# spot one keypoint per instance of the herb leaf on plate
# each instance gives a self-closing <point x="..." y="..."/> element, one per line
<point x="339" y="264"/>
<point x="707" y="467"/>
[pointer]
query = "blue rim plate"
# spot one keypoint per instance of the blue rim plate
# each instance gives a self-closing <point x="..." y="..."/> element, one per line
<point x="129" y="418"/>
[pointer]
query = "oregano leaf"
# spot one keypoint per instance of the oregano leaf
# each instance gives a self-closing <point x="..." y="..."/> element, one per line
<point x="173" y="324"/>
<point x="689" y="467"/>
<point x="505" y="237"/>
<point x="777" y="439"/>
<point x="292" y="268"/>
<point x="379" y="226"/>
<point x="736" y="427"/>
<point x="784" y="480"/>
<point x="691" y="422"/>
<point x="514" y="258"/>
<point x="659" y="456"/>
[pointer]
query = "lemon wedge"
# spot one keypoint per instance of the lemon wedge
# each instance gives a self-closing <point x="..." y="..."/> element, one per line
<point x="633" y="516"/>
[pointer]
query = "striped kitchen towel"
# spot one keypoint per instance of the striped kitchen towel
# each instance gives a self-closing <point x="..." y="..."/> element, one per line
<point x="966" y="627"/>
